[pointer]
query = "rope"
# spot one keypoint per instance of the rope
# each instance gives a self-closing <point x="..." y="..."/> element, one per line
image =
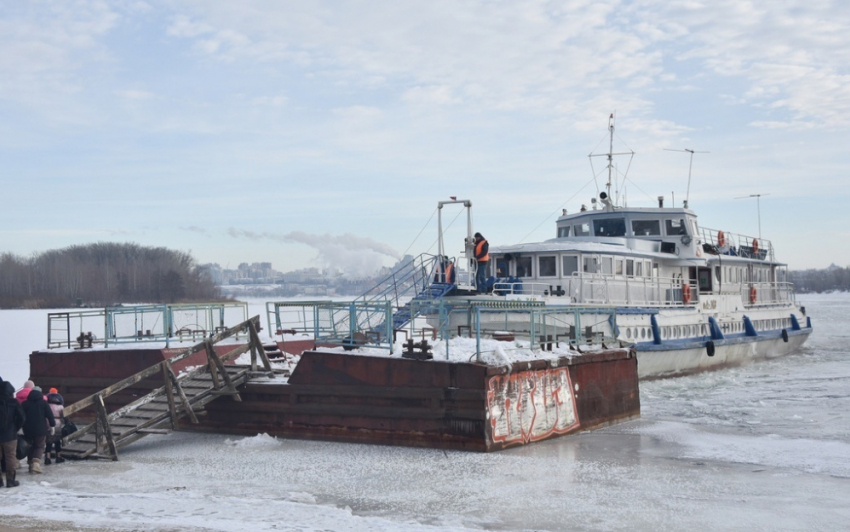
<point x="420" y="233"/>
<point x="556" y="211"/>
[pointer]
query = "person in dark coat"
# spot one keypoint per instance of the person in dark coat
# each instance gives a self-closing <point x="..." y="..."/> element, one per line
<point x="11" y="420"/>
<point x="38" y="417"/>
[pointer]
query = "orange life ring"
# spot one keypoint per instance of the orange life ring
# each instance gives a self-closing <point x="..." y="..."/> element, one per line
<point x="721" y="239"/>
<point x="686" y="294"/>
<point x="755" y="247"/>
<point x="753" y="295"/>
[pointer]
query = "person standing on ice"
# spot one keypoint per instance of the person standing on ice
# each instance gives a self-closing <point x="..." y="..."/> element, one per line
<point x="24" y="392"/>
<point x="38" y="418"/>
<point x="54" y="441"/>
<point x="11" y="421"/>
<point x="482" y="257"/>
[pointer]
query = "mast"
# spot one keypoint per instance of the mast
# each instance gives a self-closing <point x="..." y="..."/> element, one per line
<point x="607" y="199"/>
<point x="610" y="154"/>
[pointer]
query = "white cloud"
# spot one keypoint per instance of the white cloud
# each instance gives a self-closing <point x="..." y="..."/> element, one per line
<point x="182" y="26"/>
<point x="794" y="56"/>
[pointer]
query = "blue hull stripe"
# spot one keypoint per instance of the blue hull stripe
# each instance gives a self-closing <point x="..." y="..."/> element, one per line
<point x="732" y="339"/>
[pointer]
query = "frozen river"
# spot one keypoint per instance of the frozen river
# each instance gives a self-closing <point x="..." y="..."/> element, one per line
<point x="761" y="447"/>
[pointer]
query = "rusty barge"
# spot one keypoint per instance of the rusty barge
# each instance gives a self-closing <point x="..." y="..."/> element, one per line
<point x="333" y="394"/>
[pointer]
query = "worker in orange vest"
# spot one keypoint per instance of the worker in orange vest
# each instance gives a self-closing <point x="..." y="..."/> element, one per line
<point x="482" y="256"/>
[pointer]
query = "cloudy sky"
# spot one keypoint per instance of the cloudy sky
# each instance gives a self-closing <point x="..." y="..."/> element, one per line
<point x="303" y="133"/>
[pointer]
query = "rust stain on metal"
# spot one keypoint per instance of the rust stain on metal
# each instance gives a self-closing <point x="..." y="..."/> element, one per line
<point x="390" y="400"/>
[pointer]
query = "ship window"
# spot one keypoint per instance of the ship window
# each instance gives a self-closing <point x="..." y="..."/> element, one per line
<point x="646" y="227"/>
<point x="564" y="232"/>
<point x="609" y="227"/>
<point x="523" y="267"/>
<point x="548" y="266"/>
<point x="606" y="265"/>
<point x="675" y="227"/>
<point x="569" y="265"/>
<point x="591" y="265"/>
<point x="618" y="267"/>
<point x="630" y="267"/>
<point x="501" y="267"/>
<point x="639" y="268"/>
<point x="581" y="230"/>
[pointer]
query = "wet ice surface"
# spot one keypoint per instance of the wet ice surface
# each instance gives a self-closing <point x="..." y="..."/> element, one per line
<point x="762" y="447"/>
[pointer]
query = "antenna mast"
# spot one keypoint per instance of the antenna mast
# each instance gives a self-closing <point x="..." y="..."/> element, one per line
<point x="610" y="154"/>
<point x="609" y="201"/>
<point x="690" y="166"/>
<point x="758" y="206"/>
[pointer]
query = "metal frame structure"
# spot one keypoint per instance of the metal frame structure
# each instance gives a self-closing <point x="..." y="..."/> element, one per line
<point x="141" y="323"/>
<point x="349" y="324"/>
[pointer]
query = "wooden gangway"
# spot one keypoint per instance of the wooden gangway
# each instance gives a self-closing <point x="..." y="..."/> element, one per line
<point x="180" y="397"/>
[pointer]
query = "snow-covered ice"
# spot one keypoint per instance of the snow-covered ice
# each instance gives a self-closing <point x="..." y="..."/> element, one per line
<point x="761" y="447"/>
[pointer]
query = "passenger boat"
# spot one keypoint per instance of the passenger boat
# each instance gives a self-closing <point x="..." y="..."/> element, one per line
<point x="688" y="298"/>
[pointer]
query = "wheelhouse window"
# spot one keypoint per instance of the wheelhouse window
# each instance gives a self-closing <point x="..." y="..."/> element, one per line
<point x="675" y="227"/>
<point x="547" y="266"/>
<point x="581" y="230"/>
<point x="523" y="267"/>
<point x="646" y="227"/>
<point x="569" y="265"/>
<point x="630" y="267"/>
<point x="591" y="265"/>
<point x="501" y="267"/>
<point x="609" y="227"/>
<point x="564" y="232"/>
<point x="607" y="265"/>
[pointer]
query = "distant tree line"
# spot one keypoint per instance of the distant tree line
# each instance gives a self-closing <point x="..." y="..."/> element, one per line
<point x="829" y="279"/>
<point x="103" y="274"/>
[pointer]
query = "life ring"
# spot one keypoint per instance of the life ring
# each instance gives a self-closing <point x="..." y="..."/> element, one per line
<point x="753" y="295"/>
<point x="755" y="247"/>
<point x="686" y="294"/>
<point x="721" y="239"/>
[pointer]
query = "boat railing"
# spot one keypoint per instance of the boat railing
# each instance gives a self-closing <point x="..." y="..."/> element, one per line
<point x="141" y="323"/>
<point x="603" y="289"/>
<point x="737" y="245"/>
<point x="404" y="282"/>
<point x="767" y="293"/>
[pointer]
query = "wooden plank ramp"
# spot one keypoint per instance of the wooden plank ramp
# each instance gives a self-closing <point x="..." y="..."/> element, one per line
<point x="180" y="397"/>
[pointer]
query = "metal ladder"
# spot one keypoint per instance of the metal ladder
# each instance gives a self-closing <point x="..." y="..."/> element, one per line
<point x="160" y="411"/>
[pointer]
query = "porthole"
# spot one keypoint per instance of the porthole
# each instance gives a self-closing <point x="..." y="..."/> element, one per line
<point x="628" y="332"/>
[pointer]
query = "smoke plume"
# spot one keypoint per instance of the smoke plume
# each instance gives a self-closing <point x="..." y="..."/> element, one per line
<point x="352" y="255"/>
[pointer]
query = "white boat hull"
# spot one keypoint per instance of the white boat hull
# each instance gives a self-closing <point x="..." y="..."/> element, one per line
<point x="670" y="361"/>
